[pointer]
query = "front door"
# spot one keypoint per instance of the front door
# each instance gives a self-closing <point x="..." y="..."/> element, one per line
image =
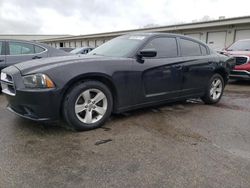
<point x="161" y="76"/>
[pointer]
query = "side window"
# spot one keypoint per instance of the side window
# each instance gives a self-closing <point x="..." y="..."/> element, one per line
<point x="165" y="47"/>
<point x="189" y="48"/>
<point x="39" y="49"/>
<point x="203" y="50"/>
<point x="18" y="48"/>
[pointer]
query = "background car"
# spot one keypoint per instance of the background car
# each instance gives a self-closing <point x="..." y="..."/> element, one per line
<point x="125" y="73"/>
<point x="81" y="50"/>
<point x="241" y="51"/>
<point x="15" y="51"/>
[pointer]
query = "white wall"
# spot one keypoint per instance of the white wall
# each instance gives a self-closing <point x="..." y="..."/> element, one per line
<point x="217" y="37"/>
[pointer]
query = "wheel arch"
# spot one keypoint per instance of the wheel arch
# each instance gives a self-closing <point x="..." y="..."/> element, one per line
<point x="105" y="79"/>
<point x="223" y="73"/>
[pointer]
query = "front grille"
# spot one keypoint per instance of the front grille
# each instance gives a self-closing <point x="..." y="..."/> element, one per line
<point x="7" y="84"/>
<point x="240" y="60"/>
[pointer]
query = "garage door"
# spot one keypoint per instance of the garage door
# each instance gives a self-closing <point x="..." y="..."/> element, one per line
<point x="217" y="40"/>
<point x="84" y="43"/>
<point x="195" y="35"/>
<point x="99" y="42"/>
<point x="242" y="34"/>
<point x="78" y="44"/>
<point x="92" y="43"/>
<point x="66" y="44"/>
<point x="72" y="44"/>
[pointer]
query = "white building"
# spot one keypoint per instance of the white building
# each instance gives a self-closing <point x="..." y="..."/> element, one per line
<point x="216" y="33"/>
<point x="30" y="36"/>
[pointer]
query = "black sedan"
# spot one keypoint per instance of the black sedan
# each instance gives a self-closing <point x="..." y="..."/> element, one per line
<point x="128" y="72"/>
<point x="16" y="51"/>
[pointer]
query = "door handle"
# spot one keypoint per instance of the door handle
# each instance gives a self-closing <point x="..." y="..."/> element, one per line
<point x="1" y="60"/>
<point x="36" y="57"/>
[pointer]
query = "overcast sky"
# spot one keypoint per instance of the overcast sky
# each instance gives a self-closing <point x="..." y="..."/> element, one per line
<point x="95" y="16"/>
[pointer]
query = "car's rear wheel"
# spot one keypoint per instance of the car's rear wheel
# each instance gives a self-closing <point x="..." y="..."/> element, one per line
<point x="214" y="90"/>
<point x="87" y="105"/>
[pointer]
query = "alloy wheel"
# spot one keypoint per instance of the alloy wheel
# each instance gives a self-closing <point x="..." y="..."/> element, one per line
<point x="216" y="89"/>
<point x="91" y="105"/>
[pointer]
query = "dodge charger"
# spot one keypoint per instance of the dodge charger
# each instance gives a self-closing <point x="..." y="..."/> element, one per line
<point x="126" y="73"/>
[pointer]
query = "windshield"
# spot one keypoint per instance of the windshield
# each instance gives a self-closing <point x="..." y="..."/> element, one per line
<point x="243" y="45"/>
<point x="119" y="47"/>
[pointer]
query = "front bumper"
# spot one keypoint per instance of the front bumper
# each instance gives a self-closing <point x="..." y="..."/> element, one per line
<point x="240" y="74"/>
<point x="34" y="104"/>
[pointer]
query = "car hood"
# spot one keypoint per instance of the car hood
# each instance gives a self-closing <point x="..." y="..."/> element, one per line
<point x="52" y="62"/>
<point x="236" y="53"/>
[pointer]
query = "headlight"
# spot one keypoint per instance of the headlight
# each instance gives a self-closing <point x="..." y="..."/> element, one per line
<point x="38" y="81"/>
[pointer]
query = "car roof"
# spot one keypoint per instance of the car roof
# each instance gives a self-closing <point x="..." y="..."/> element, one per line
<point x="26" y="41"/>
<point x="156" y="34"/>
<point x="150" y="35"/>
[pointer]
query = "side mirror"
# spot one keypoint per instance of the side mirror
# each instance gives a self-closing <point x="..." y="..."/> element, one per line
<point x="147" y="53"/>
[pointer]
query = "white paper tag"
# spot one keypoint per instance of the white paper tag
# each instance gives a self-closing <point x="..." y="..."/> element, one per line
<point x="137" y="37"/>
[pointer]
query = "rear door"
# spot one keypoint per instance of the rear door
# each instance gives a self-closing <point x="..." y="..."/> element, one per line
<point x="2" y="55"/>
<point x="23" y="51"/>
<point x="196" y="66"/>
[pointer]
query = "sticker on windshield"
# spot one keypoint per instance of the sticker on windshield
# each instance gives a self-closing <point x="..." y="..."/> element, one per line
<point x="137" y="37"/>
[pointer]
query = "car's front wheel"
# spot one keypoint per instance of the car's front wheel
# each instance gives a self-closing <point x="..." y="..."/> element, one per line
<point x="214" y="90"/>
<point x="87" y="105"/>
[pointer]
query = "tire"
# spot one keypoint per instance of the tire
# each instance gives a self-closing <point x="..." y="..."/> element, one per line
<point x="214" y="90"/>
<point x="87" y="105"/>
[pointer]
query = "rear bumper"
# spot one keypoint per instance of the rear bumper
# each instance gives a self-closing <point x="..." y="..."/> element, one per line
<point x="240" y="74"/>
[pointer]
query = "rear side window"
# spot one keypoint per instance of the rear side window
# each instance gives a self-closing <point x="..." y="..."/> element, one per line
<point x="203" y="50"/>
<point x="189" y="48"/>
<point x="166" y="47"/>
<point x="18" y="48"/>
<point x="39" y="49"/>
